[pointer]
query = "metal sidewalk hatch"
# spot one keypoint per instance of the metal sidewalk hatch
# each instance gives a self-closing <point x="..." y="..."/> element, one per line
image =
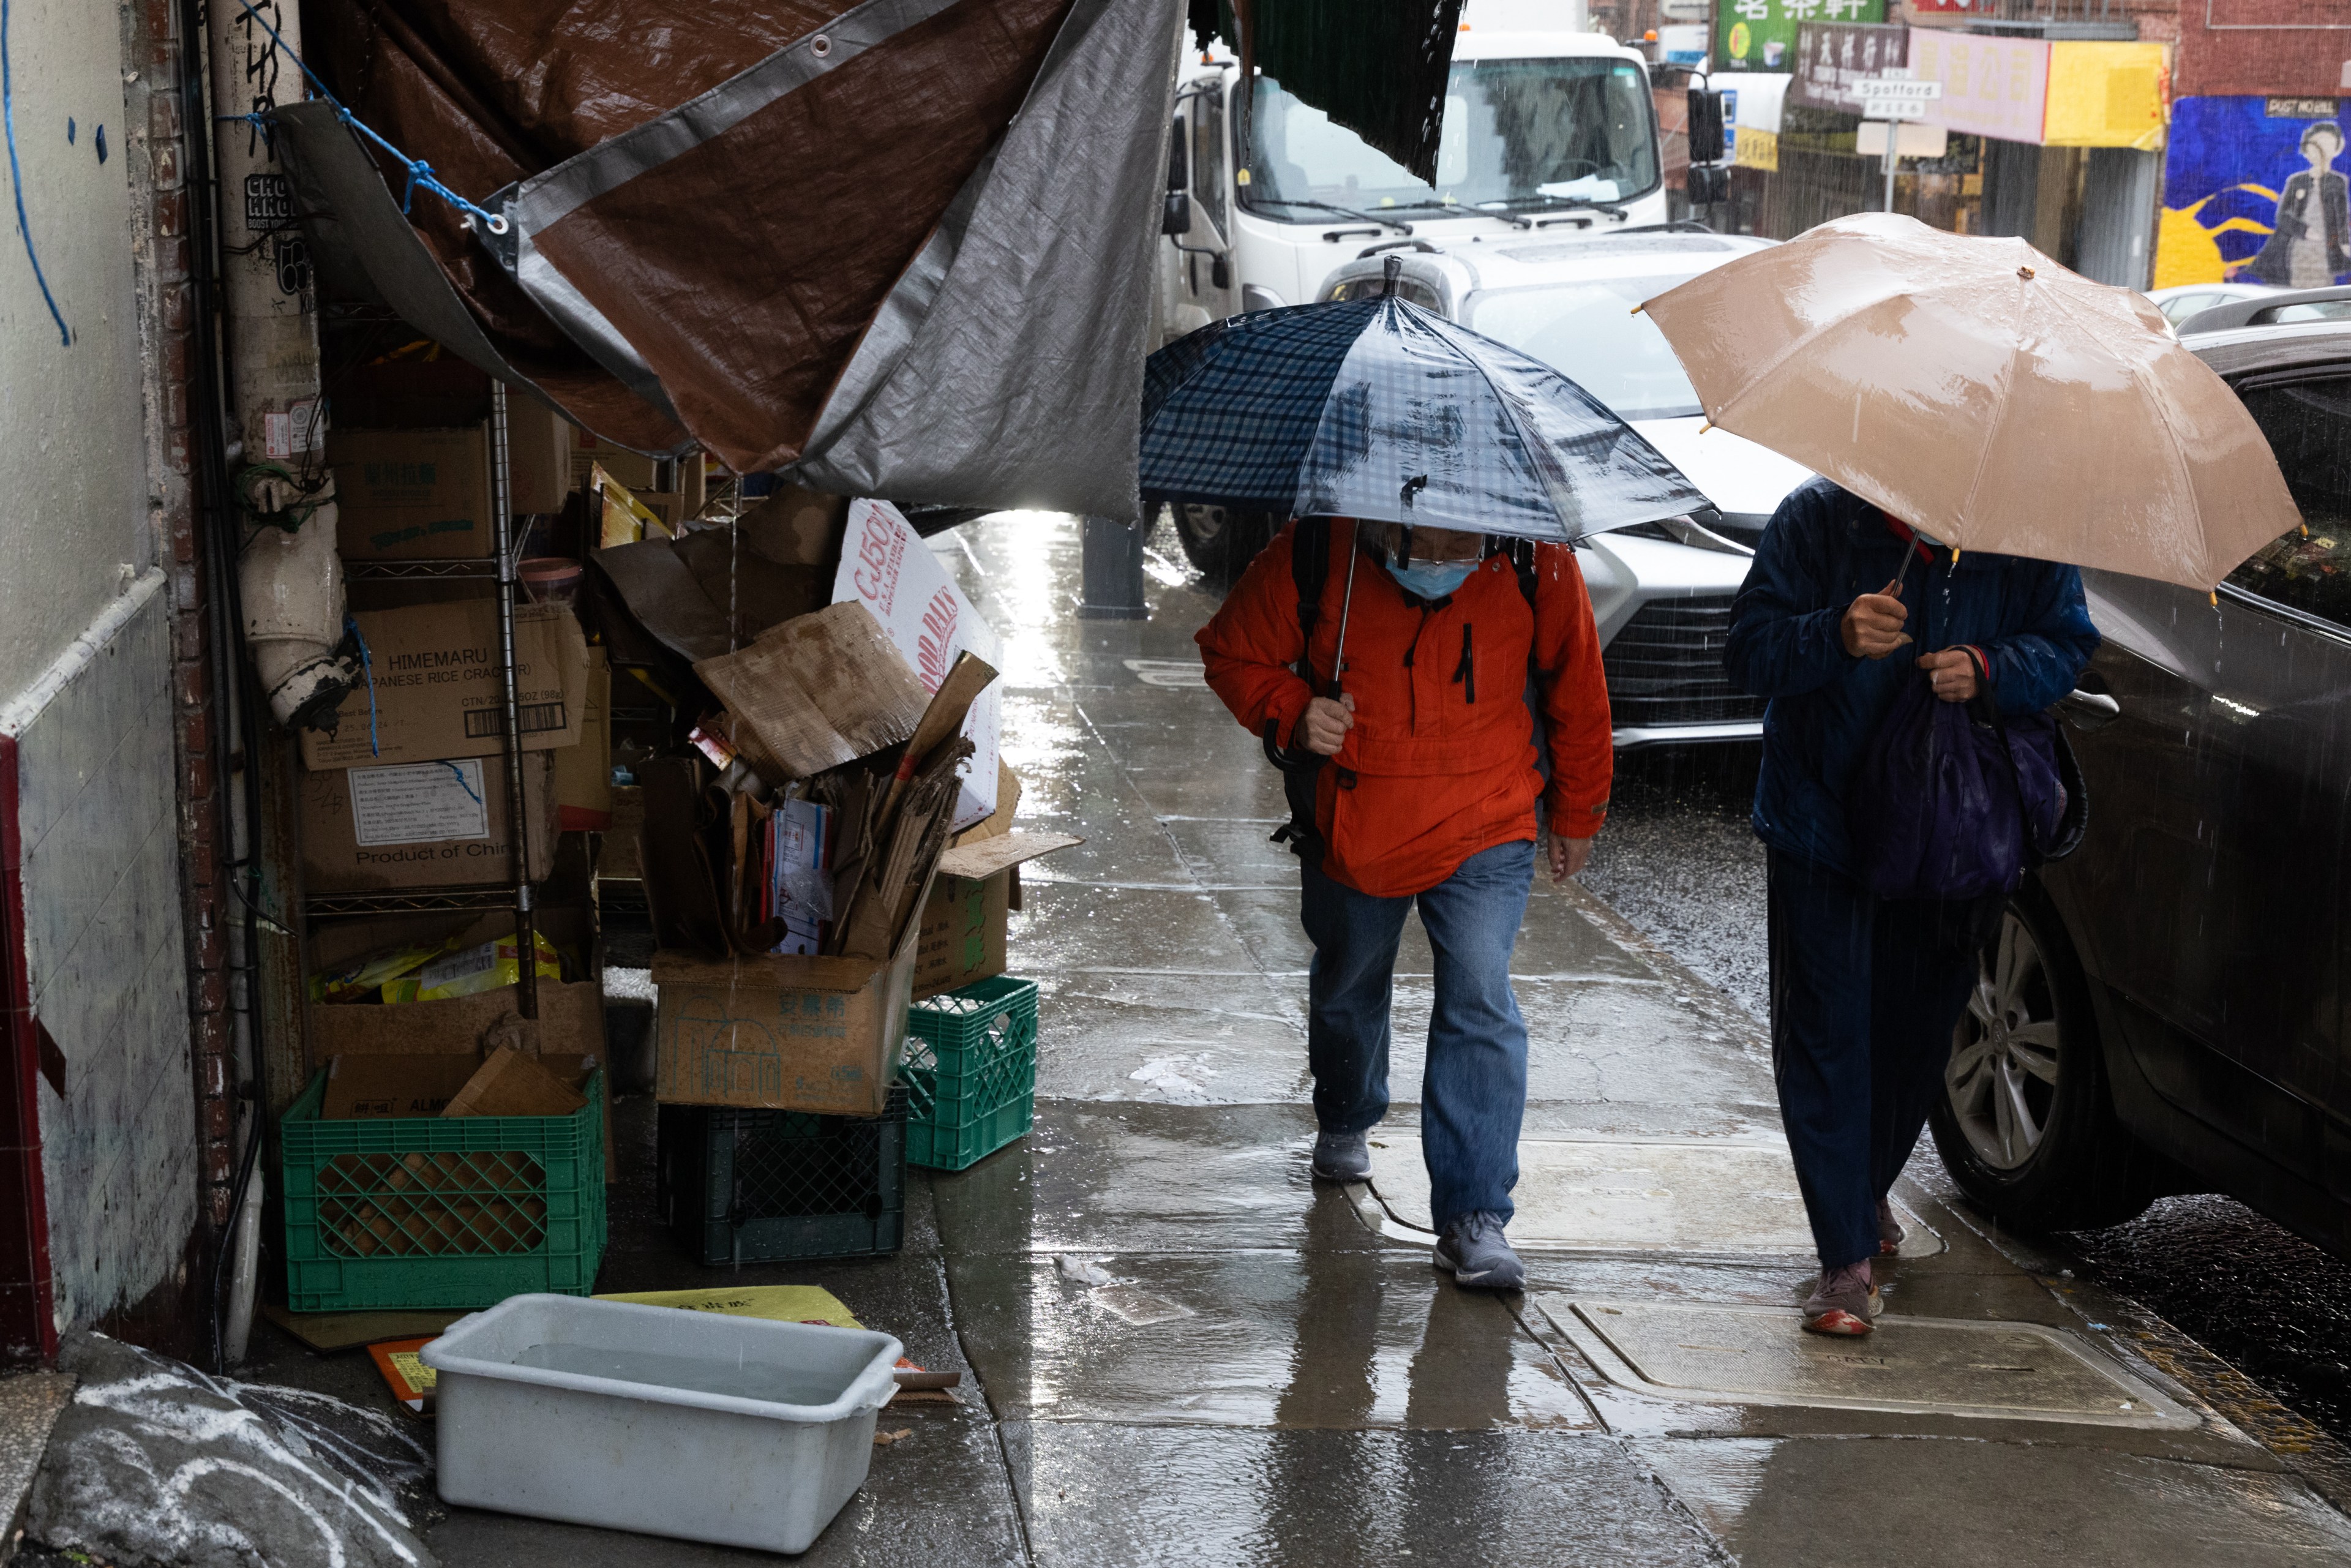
<point x="1687" y="1198"/>
<point x="1945" y="1366"/>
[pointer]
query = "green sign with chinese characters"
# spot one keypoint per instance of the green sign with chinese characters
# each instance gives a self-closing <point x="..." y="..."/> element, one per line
<point x="1760" y="34"/>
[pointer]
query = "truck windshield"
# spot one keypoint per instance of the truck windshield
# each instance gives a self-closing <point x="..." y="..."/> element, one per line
<point x="1517" y="133"/>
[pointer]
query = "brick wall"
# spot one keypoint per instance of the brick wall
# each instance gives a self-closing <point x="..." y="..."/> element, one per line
<point x="162" y="191"/>
<point x="2285" y="49"/>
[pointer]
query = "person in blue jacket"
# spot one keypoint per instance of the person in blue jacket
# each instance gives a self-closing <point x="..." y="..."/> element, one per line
<point x="1842" y="605"/>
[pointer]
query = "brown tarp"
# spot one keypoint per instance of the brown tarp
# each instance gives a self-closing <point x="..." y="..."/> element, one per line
<point x="729" y="215"/>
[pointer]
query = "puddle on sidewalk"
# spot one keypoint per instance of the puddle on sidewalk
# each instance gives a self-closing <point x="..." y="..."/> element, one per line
<point x="1591" y="1196"/>
<point x="1723" y="1354"/>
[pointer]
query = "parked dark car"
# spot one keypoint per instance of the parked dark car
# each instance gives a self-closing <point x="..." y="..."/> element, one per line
<point x="2165" y="1012"/>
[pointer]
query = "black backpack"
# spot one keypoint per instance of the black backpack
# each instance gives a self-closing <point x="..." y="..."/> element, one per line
<point x="1310" y="571"/>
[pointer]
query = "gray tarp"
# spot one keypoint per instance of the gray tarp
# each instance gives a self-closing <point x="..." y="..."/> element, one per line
<point x="1006" y="367"/>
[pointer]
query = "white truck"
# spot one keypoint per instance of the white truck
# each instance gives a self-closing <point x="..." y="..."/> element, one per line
<point x="1549" y="128"/>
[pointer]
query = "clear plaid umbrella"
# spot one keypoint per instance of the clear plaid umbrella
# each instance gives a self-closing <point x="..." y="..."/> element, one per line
<point x="1378" y="409"/>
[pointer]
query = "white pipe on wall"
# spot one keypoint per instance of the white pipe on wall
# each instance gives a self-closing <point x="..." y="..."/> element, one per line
<point x="288" y="574"/>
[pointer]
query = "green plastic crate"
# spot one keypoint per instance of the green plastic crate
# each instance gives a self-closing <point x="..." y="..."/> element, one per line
<point x="970" y="1072"/>
<point x="440" y="1211"/>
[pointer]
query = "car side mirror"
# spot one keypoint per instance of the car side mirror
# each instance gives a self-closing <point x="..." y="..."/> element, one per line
<point x="1176" y="213"/>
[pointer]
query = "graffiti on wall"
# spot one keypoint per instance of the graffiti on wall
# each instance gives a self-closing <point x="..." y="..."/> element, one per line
<point x="2255" y="190"/>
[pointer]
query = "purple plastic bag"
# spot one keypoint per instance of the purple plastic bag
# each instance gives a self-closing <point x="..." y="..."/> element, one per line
<point x="1944" y="799"/>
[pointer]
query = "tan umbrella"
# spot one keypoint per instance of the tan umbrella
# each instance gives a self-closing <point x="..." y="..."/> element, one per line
<point x="1976" y="390"/>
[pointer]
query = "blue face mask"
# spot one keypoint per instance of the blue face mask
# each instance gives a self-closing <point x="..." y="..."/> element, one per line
<point x="1432" y="579"/>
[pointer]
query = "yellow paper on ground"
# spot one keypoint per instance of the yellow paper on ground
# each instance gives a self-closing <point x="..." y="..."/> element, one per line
<point x="778" y="1303"/>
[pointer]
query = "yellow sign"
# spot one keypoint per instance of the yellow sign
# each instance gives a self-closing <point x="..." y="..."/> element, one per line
<point x="783" y="1304"/>
<point x="1755" y="149"/>
<point x="2107" y="95"/>
<point x="1741" y="40"/>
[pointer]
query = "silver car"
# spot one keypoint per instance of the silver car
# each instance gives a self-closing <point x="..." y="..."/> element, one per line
<point x="1661" y="592"/>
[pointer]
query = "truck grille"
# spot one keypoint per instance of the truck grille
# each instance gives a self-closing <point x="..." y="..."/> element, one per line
<point x="1665" y="666"/>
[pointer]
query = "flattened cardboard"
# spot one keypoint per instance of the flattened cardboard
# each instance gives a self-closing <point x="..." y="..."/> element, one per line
<point x="820" y="690"/>
<point x="986" y="857"/>
<point x="437" y="691"/>
<point x="462" y="842"/>
<point x="584" y="773"/>
<point x="409" y="495"/>
<point x="511" y="1083"/>
<point x="784" y="1033"/>
<point x="966" y="917"/>
<point x="383" y="1086"/>
<point x="715" y="590"/>
<point x="886" y="567"/>
<point x="427" y="1084"/>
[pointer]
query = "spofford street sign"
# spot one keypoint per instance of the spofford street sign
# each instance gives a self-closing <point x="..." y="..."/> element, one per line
<point x="1895" y="97"/>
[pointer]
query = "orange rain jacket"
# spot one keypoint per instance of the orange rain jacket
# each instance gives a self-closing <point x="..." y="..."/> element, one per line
<point x="1443" y="748"/>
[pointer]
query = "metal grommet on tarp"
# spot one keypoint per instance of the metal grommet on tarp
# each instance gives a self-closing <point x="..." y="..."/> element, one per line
<point x="820" y="46"/>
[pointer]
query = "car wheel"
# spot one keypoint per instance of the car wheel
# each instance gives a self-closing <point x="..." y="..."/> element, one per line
<point x="2024" y="1122"/>
<point x="1220" y="541"/>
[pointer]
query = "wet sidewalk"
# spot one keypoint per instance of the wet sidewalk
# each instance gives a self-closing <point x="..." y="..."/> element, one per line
<point x="1180" y="1350"/>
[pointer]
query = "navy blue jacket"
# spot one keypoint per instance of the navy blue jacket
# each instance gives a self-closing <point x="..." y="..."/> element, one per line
<point x="1825" y="548"/>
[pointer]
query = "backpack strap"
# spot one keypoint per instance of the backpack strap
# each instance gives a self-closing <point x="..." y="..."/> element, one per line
<point x="1310" y="568"/>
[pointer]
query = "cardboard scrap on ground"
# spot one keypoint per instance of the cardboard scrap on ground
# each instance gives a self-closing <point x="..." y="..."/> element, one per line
<point x="404" y="1372"/>
<point x="330" y="1332"/>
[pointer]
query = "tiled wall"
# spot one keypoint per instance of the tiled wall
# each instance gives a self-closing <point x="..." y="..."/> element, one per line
<point x="105" y="957"/>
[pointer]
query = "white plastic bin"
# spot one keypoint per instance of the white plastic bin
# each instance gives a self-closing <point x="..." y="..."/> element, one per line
<point x="734" y="1431"/>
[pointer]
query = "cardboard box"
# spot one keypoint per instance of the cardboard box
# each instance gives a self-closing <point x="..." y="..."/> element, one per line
<point x="781" y="1033"/>
<point x="435" y="688"/>
<point x="634" y="469"/>
<point x="432" y="824"/>
<point x="570" y="1022"/>
<point x="968" y="912"/>
<point x="886" y="567"/>
<point x="425" y="1083"/>
<point x="538" y="455"/>
<point x="406" y="495"/>
<point x="584" y="773"/>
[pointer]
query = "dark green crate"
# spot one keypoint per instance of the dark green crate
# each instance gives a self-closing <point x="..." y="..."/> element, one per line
<point x="440" y="1211"/>
<point x="970" y="1072"/>
<point x="761" y="1187"/>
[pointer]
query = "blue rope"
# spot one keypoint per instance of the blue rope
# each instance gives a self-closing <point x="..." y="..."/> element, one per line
<point x="459" y="774"/>
<point x="419" y="172"/>
<point x="367" y="663"/>
<point x="17" y="179"/>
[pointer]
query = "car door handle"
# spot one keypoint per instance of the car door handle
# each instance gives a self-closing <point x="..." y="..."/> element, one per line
<point x="2088" y="710"/>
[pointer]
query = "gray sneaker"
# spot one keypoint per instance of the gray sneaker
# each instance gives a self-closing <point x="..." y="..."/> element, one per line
<point x="1889" y="1230"/>
<point x="1342" y="1156"/>
<point x="1474" y="1251"/>
<point x="1845" y="1303"/>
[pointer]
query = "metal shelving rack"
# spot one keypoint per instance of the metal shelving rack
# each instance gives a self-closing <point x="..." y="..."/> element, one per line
<point x="519" y="892"/>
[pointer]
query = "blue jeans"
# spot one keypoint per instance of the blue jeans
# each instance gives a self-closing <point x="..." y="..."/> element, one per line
<point x="1864" y="994"/>
<point x="1473" y="1094"/>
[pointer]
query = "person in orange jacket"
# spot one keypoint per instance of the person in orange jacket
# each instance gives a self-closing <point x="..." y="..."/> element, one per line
<point x="1429" y="796"/>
